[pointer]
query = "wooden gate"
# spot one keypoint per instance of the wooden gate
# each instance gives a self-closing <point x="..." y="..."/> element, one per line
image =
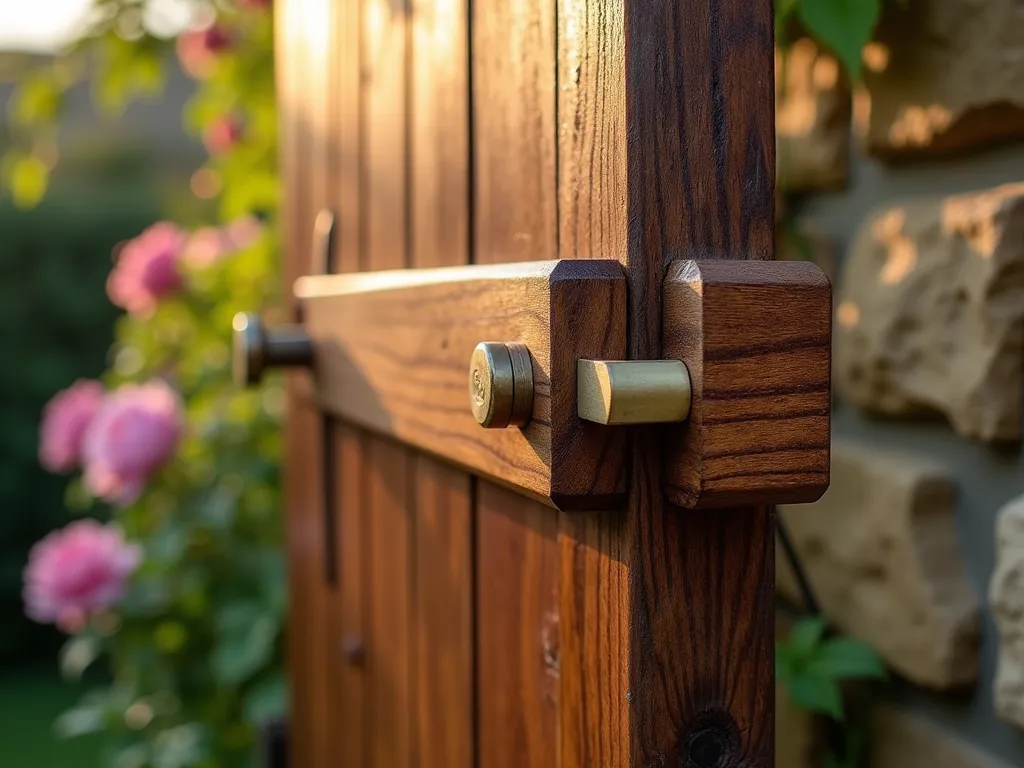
<point x="454" y="602"/>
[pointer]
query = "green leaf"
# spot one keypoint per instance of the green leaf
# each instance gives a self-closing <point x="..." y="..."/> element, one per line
<point x="29" y="179"/>
<point x="807" y="634"/>
<point x="81" y="720"/>
<point x="844" y="26"/>
<point x="247" y="634"/>
<point x="817" y="694"/>
<point x="845" y="657"/>
<point x="78" y="654"/>
<point x="267" y="700"/>
<point x="183" y="746"/>
<point x="783" y="10"/>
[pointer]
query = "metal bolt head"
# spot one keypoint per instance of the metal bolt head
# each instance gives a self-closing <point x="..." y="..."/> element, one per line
<point x="501" y="384"/>
<point x="248" y="350"/>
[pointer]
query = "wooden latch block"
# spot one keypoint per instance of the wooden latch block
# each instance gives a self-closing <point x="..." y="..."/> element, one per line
<point x="756" y="339"/>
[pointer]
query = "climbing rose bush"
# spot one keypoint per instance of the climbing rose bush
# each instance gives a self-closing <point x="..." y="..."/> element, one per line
<point x="133" y="435"/>
<point x="179" y="594"/>
<point x="148" y="268"/>
<point x="74" y="572"/>
<point x="65" y="420"/>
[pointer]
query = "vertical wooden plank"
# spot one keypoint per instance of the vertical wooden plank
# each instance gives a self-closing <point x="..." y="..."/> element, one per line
<point x="322" y="650"/>
<point x="388" y="511"/>
<point x="682" y="599"/>
<point x="594" y="575"/>
<point x="439" y="144"/>
<point x="350" y="716"/>
<point x="444" y="609"/>
<point x="301" y="482"/>
<point x="700" y="181"/>
<point x="513" y="72"/>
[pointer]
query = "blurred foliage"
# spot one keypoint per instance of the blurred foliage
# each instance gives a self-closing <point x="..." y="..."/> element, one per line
<point x="195" y="649"/>
<point x="53" y="265"/>
<point x="843" y="26"/>
<point x="813" y="667"/>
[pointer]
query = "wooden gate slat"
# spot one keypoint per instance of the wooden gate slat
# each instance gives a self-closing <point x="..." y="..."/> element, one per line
<point x="665" y="151"/>
<point x="439" y="216"/>
<point x="323" y="662"/>
<point x="301" y="486"/>
<point x="388" y="509"/>
<point x="700" y="173"/>
<point x="513" y="70"/>
<point x="594" y="573"/>
<point x="349" y="715"/>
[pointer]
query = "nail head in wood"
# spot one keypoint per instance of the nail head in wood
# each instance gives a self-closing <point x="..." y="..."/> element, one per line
<point x="633" y="391"/>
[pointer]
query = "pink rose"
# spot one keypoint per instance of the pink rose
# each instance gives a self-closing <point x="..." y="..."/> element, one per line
<point x="132" y="436"/>
<point x="77" y="570"/>
<point x="65" y="419"/>
<point x="209" y="245"/>
<point x="147" y="268"/>
<point x="198" y="50"/>
<point x="222" y="135"/>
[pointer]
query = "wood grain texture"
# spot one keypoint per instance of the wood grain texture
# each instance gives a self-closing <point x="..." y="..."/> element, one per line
<point x="700" y="177"/>
<point x="515" y="207"/>
<point x="301" y="486"/>
<point x="323" y="664"/>
<point x="517" y="631"/>
<point x="393" y="350"/>
<point x="756" y="338"/>
<point x="443" y="634"/>
<point x="388" y="512"/>
<point x="445" y="735"/>
<point x="666" y="151"/>
<point x="594" y="572"/>
<point x="349" y="715"/>
<point x="388" y="509"/>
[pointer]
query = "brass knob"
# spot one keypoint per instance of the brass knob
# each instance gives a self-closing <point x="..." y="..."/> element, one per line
<point x="501" y="384"/>
<point x="257" y="348"/>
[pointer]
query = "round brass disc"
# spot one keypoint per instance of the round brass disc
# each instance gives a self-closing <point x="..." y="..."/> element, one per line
<point x="522" y="384"/>
<point x="491" y="386"/>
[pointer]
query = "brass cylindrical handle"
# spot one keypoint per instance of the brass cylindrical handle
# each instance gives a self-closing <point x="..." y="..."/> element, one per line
<point x="632" y="391"/>
<point x="501" y="384"/>
<point x="257" y="348"/>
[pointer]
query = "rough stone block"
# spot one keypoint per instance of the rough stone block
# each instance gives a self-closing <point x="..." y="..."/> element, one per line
<point x="881" y="552"/>
<point x="944" y="76"/>
<point x="812" y="119"/>
<point x="1006" y="597"/>
<point x="902" y="739"/>
<point x="930" y="312"/>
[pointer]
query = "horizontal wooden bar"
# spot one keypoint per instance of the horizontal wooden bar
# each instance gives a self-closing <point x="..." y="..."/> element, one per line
<point x="756" y="339"/>
<point x="392" y="352"/>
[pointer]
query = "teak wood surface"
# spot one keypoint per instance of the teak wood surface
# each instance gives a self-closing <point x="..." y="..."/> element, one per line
<point x="393" y="351"/>
<point x="438" y="619"/>
<point x="756" y="339"/>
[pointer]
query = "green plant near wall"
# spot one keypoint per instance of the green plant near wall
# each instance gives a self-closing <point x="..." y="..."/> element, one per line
<point x="843" y="26"/>
<point x="813" y="667"/>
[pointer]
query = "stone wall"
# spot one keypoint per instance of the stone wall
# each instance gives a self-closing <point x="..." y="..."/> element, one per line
<point x="908" y="189"/>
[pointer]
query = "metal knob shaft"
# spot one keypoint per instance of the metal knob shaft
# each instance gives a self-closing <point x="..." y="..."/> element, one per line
<point x="257" y="348"/>
<point x="501" y="384"/>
